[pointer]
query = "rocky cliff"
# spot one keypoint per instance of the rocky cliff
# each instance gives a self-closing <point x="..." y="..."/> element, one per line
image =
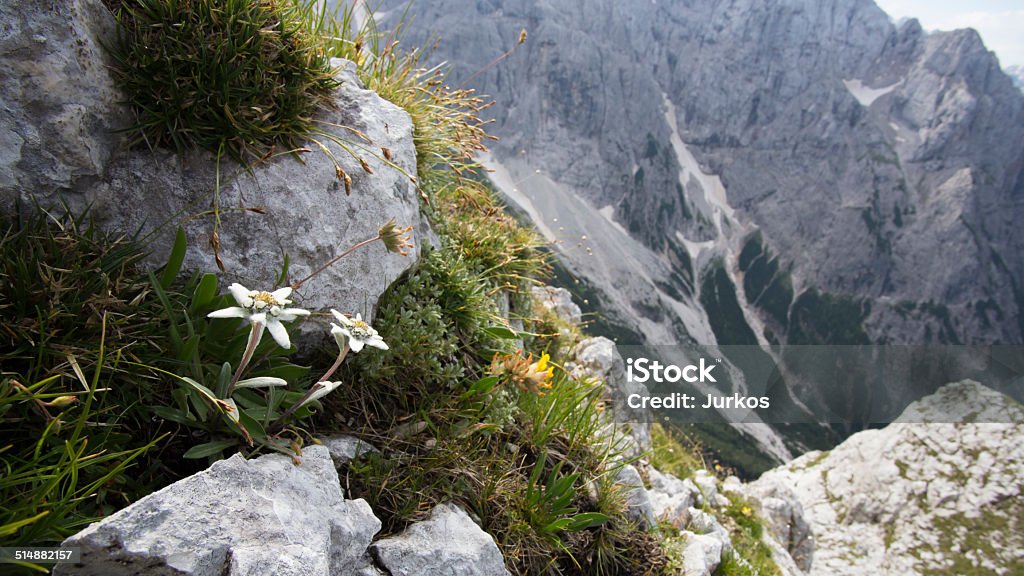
<point x="918" y="498"/>
<point x="881" y="165"/>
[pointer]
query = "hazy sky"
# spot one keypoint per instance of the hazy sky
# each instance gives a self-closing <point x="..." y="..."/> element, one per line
<point x="1000" y="22"/>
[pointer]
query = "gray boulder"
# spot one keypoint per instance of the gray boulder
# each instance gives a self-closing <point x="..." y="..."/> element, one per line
<point x="239" y="517"/>
<point x="708" y="485"/>
<point x="60" y="114"/>
<point x="703" y="523"/>
<point x="702" y="553"/>
<point x="344" y="449"/>
<point x="448" y="543"/>
<point x="57" y="130"/>
<point x="597" y="358"/>
<point x="672" y="498"/>
<point x="559" y="301"/>
<point x="638" y="502"/>
<point x="307" y="215"/>
<point x="784" y="515"/>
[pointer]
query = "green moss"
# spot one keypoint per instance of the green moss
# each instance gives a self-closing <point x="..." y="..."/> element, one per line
<point x="970" y="542"/>
<point x="750" y="556"/>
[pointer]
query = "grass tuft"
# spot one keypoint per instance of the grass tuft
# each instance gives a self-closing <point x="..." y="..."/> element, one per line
<point x="75" y="316"/>
<point x="233" y="76"/>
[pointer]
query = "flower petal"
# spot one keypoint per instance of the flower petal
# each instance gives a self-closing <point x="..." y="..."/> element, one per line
<point x="241" y="294"/>
<point x="340" y="335"/>
<point x="377" y="342"/>
<point x="289" y="314"/>
<point x="232" y="312"/>
<point x="279" y="332"/>
<point x="355" y="344"/>
<point x="322" y="389"/>
<point x="261" y="382"/>
<point x="344" y="320"/>
<point x="282" y="294"/>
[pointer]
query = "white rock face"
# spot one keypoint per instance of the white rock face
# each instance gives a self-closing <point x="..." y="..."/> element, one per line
<point x="706" y="524"/>
<point x="239" y="517"/>
<point x="672" y="498"/>
<point x="559" y="301"/>
<point x="638" y="501"/>
<point x="919" y="498"/>
<point x="58" y="142"/>
<point x="784" y="518"/>
<point x="448" y="543"/>
<point x="702" y="553"/>
<point x="597" y="358"/>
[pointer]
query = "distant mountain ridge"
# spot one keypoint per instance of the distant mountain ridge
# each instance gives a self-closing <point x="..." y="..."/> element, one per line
<point x="882" y="165"/>
<point x="1017" y="75"/>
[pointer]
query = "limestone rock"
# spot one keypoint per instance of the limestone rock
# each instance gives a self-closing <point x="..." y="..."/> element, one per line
<point x="638" y="502"/>
<point x="784" y="516"/>
<point x="343" y="448"/>
<point x="703" y="523"/>
<point x="708" y="485"/>
<point x="908" y="498"/>
<point x="59" y="143"/>
<point x="60" y="116"/>
<point x="239" y="517"/>
<point x="447" y="543"/>
<point x="559" y="301"/>
<point x="307" y="216"/>
<point x="597" y="358"/>
<point x="701" y="554"/>
<point x="672" y="498"/>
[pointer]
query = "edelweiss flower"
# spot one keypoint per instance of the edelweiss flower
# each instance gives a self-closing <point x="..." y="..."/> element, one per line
<point x="266" y="309"/>
<point x="319" y="390"/>
<point x="356" y="331"/>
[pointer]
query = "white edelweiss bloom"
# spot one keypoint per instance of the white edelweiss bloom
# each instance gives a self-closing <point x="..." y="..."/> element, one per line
<point x="268" y="309"/>
<point x="358" y="333"/>
<point x="319" y="390"/>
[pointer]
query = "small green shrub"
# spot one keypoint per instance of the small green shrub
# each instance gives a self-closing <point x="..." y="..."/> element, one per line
<point x="437" y="318"/>
<point x="234" y="76"/>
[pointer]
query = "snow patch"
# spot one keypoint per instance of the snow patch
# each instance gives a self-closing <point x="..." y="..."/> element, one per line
<point x="609" y="214"/>
<point x="867" y="95"/>
<point x="714" y="200"/>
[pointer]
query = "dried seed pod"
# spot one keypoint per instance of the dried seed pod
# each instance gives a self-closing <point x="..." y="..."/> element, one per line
<point x="366" y="166"/>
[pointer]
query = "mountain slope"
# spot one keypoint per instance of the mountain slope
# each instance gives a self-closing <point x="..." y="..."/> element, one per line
<point x="882" y="165"/>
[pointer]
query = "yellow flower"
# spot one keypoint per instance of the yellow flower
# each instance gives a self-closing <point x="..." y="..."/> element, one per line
<point x="523" y="372"/>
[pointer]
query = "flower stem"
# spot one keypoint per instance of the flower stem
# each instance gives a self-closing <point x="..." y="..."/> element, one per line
<point x="255" y="333"/>
<point x="297" y="405"/>
<point x="336" y="365"/>
<point x="297" y="285"/>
